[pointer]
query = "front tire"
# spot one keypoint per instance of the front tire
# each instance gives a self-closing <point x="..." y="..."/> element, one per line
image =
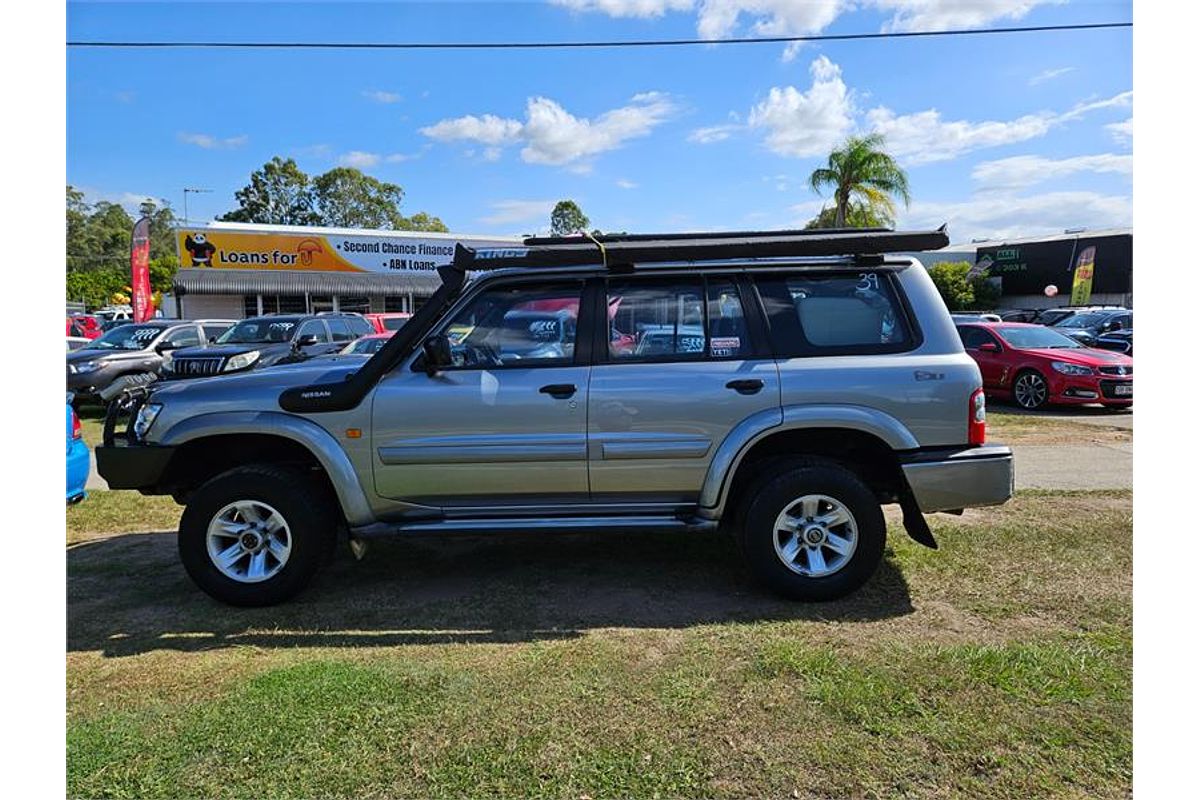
<point x="1030" y="390"/>
<point x="813" y="532"/>
<point x="255" y="535"/>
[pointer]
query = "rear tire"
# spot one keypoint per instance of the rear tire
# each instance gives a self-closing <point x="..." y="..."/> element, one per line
<point x="813" y="532"/>
<point x="256" y="535"/>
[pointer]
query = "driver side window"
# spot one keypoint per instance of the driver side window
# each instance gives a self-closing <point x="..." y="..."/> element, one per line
<point x="516" y="326"/>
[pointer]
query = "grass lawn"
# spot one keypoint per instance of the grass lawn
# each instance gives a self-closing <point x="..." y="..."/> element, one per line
<point x="1014" y="427"/>
<point x="601" y="666"/>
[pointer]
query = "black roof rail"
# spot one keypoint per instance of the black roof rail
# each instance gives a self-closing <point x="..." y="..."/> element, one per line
<point x="625" y="251"/>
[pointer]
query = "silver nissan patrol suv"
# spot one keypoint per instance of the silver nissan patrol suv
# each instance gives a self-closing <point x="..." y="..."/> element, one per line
<point x="781" y="386"/>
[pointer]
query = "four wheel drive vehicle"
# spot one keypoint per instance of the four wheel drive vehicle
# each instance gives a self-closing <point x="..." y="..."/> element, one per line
<point x="390" y="321"/>
<point x="1087" y="326"/>
<point x="265" y="341"/>
<point x="1034" y="365"/>
<point x="829" y="381"/>
<point x="135" y="348"/>
<point x="1121" y="341"/>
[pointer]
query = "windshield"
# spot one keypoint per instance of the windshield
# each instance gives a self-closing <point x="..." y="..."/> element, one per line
<point x="257" y="331"/>
<point x="1036" y="337"/>
<point x="1083" y="320"/>
<point x="127" y="337"/>
<point x="365" y="346"/>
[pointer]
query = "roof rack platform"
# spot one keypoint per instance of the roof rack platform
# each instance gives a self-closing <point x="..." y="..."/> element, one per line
<point x="625" y="251"/>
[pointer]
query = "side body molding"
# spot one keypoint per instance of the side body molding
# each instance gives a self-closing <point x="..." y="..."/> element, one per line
<point x="316" y="439"/>
<point x="796" y="417"/>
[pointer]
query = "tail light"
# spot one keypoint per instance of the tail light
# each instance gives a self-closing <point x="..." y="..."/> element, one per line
<point x="977" y="418"/>
<point x="76" y="428"/>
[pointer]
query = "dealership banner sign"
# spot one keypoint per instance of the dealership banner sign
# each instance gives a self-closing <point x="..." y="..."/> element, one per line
<point x="1081" y="287"/>
<point x="218" y="248"/>
<point x="139" y="268"/>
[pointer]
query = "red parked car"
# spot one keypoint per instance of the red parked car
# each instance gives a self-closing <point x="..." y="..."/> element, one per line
<point x="389" y="322"/>
<point x="1034" y="365"/>
<point x="84" y="325"/>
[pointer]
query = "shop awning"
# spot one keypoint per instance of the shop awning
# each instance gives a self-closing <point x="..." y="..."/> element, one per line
<point x="256" y="281"/>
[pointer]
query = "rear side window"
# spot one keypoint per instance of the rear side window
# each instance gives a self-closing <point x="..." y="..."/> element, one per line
<point x="314" y="327"/>
<point x="675" y="320"/>
<point x="340" y="330"/>
<point x="836" y="314"/>
<point x="394" y="323"/>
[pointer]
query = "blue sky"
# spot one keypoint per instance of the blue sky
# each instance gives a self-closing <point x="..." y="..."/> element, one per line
<point x="1001" y="135"/>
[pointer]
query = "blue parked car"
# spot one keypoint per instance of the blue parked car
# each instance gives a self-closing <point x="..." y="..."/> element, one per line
<point x="78" y="458"/>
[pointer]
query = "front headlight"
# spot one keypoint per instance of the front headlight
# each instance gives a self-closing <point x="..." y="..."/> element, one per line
<point x="241" y="361"/>
<point x="145" y="418"/>
<point x="84" y="366"/>
<point x="1070" y="369"/>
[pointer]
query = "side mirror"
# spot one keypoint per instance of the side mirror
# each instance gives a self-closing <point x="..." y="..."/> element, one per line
<point x="165" y="346"/>
<point x="306" y="341"/>
<point x="1115" y="325"/>
<point x="989" y="347"/>
<point x="437" y="354"/>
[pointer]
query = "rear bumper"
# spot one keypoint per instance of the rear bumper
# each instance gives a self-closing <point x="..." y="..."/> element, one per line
<point x="945" y="479"/>
<point x="133" y="467"/>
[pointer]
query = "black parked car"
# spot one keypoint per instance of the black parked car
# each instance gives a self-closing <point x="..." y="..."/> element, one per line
<point x="266" y="341"/>
<point x="1086" y="327"/>
<point x="1119" y="340"/>
<point x="135" y="348"/>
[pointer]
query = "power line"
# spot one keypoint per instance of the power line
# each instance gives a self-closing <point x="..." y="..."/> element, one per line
<point x="822" y="37"/>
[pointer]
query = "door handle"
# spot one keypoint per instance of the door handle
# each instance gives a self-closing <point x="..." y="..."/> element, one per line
<point x="559" y="391"/>
<point x="746" y="386"/>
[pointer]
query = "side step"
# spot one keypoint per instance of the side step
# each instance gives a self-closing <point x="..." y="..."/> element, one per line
<point x="437" y="527"/>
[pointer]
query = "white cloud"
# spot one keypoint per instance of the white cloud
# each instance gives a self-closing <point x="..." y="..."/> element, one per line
<point x="717" y="19"/>
<point x="999" y="215"/>
<point x="713" y="133"/>
<point x="643" y="9"/>
<point x="923" y="137"/>
<point x="1121" y="131"/>
<point x="507" y="212"/>
<point x="358" y="159"/>
<point x="554" y="136"/>
<point x="380" y="96"/>
<point x="624" y="183"/>
<point x="1020" y="171"/>
<point x="488" y="129"/>
<point x="208" y="142"/>
<point x="806" y="123"/>
<point x="936" y="15"/>
<point x="396" y="158"/>
<point x="1049" y="74"/>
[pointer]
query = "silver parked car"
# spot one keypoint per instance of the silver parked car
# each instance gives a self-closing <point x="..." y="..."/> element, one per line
<point x="781" y="386"/>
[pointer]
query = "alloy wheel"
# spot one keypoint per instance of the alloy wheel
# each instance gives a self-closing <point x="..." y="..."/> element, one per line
<point x="249" y="541"/>
<point x="815" y="535"/>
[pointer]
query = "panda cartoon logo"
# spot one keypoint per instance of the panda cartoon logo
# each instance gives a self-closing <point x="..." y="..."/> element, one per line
<point x="200" y="249"/>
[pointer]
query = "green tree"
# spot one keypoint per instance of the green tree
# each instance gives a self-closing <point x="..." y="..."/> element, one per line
<point x="987" y="292"/>
<point x="278" y="194"/>
<point x="950" y="278"/>
<point x="567" y="218"/>
<point x="859" y="215"/>
<point x="422" y="222"/>
<point x="861" y="170"/>
<point x="344" y="197"/>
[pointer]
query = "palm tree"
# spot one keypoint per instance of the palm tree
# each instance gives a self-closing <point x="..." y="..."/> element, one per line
<point x="862" y="170"/>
